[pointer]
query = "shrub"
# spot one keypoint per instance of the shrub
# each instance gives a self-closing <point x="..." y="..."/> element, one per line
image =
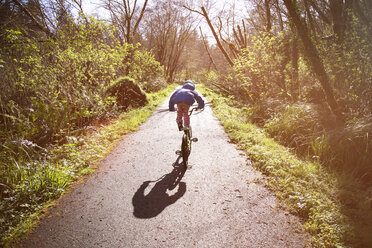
<point x="146" y="70"/>
<point x="54" y="87"/>
<point x="207" y="77"/>
<point x="127" y="93"/>
<point x="309" y="129"/>
<point x="296" y="125"/>
<point x="49" y="92"/>
<point x="349" y="148"/>
<point x="258" y="70"/>
<point x="154" y="85"/>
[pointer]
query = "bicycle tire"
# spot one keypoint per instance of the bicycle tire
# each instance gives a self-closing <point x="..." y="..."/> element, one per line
<point x="185" y="149"/>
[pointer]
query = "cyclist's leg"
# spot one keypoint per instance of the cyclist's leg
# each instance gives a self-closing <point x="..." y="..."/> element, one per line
<point x="186" y="117"/>
<point x="179" y="116"/>
<point x="183" y="113"/>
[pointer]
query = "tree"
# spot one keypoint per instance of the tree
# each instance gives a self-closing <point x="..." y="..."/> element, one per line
<point x="215" y="35"/>
<point x="38" y="22"/>
<point x="313" y="57"/>
<point x="125" y="16"/>
<point x="167" y="30"/>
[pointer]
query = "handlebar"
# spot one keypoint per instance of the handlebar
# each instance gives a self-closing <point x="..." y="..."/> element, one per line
<point x="190" y="111"/>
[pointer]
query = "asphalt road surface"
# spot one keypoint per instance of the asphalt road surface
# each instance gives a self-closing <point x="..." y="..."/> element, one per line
<point x="141" y="197"/>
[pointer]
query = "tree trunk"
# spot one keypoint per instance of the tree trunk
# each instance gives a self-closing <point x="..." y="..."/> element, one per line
<point x="33" y="18"/>
<point x="206" y="48"/>
<point x="336" y="9"/>
<point x="295" y="87"/>
<point x="268" y="15"/>
<point x="313" y="57"/>
<point x="205" y="14"/>
<point x="310" y="17"/>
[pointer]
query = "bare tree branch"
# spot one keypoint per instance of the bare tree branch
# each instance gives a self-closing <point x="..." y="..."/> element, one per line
<point x="205" y="15"/>
<point x="123" y="14"/>
<point x="322" y="15"/>
<point x="192" y="10"/>
<point x="207" y="49"/>
<point x="140" y="17"/>
<point x="33" y="18"/>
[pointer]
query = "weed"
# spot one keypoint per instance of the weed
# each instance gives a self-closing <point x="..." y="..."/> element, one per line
<point x="306" y="187"/>
<point x="27" y="186"/>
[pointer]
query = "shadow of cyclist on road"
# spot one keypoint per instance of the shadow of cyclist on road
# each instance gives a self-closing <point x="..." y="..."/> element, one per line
<point x="151" y="204"/>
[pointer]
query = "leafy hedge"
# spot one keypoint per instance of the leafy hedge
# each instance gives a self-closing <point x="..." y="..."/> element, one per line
<point x="50" y="91"/>
<point x="50" y="88"/>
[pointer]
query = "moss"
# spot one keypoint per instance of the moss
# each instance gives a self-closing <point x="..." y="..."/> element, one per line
<point x="127" y="93"/>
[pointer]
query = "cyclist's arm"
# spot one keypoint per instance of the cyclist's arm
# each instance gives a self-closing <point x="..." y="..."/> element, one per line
<point x="199" y="100"/>
<point x="172" y="103"/>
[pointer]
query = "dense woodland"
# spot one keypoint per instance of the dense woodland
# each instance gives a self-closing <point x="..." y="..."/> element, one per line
<point x="300" y="68"/>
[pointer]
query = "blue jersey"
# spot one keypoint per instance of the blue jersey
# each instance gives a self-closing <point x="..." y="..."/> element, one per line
<point x="186" y="94"/>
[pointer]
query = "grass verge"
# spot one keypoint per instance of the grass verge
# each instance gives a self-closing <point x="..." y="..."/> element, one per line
<point x="40" y="182"/>
<point x="306" y="188"/>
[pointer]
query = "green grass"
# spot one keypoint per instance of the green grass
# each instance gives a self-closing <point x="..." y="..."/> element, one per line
<point x="33" y="185"/>
<point x="305" y="187"/>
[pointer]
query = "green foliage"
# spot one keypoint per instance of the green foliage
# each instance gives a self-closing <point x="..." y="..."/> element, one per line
<point x="53" y="87"/>
<point x="27" y="185"/>
<point x="207" y="77"/>
<point x="257" y="71"/>
<point x="50" y="90"/>
<point x="145" y="69"/>
<point x="313" y="134"/>
<point x="31" y="183"/>
<point x="127" y="93"/>
<point x="331" y="204"/>
<point x="297" y="125"/>
<point x="349" y="64"/>
<point x="349" y="149"/>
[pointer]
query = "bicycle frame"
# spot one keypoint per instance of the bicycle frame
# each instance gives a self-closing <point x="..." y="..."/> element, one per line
<point x="187" y="139"/>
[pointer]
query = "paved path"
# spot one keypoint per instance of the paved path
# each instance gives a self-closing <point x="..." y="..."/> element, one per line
<point x="139" y="197"/>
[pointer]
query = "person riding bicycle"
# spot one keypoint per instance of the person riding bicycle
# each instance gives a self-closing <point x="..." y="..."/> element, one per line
<point x="184" y="97"/>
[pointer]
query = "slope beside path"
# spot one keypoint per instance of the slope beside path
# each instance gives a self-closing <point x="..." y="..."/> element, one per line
<point x="139" y="197"/>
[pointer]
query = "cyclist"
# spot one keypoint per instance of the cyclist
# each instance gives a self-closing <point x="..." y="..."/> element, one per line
<point x="184" y="97"/>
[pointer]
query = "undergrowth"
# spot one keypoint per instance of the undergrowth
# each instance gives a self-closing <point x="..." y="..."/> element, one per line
<point x="307" y="188"/>
<point x="33" y="183"/>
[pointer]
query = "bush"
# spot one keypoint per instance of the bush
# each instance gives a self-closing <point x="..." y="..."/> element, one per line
<point x="296" y="125"/>
<point x="154" y="85"/>
<point x="258" y="72"/>
<point x="207" y="77"/>
<point x="349" y="148"/>
<point x="146" y="70"/>
<point x="49" y="92"/>
<point x="51" y="88"/>
<point x="309" y="129"/>
<point x="127" y="93"/>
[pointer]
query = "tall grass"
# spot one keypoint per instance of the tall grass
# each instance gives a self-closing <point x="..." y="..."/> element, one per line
<point x="27" y="184"/>
<point x="312" y="133"/>
<point x="335" y="209"/>
<point x="350" y="149"/>
<point x="50" y="92"/>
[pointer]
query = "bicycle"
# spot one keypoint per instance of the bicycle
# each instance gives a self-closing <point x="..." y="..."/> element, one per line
<point x="187" y="139"/>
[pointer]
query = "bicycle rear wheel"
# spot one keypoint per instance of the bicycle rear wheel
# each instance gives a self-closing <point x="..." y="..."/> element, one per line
<point x="185" y="149"/>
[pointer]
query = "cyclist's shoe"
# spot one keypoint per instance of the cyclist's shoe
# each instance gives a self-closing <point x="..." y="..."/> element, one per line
<point x="180" y="127"/>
